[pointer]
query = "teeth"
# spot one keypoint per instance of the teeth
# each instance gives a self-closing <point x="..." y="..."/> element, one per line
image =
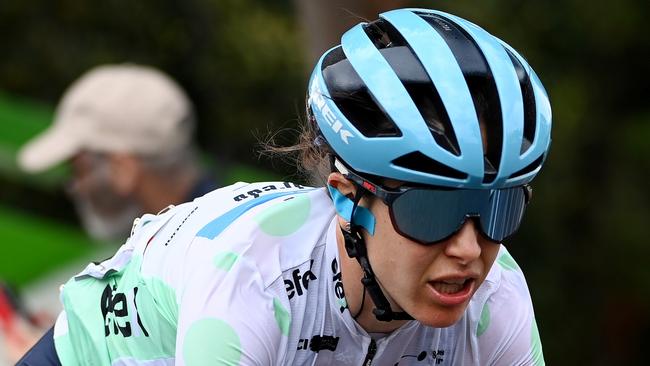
<point x="446" y="288"/>
<point x="450" y="286"/>
<point x="455" y="282"/>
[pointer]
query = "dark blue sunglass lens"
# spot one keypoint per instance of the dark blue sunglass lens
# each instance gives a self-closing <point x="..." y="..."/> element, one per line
<point x="429" y="216"/>
<point x="501" y="218"/>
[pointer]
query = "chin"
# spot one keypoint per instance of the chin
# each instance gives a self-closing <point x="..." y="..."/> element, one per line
<point x="439" y="318"/>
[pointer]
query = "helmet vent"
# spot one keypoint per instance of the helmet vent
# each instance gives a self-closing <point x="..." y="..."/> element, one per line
<point x="433" y="112"/>
<point x="351" y="96"/>
<point x="480" y="82"/>
<point x="419" y="162"/>
<point x="529" y="168"/>
<point x="333" y="57"/>
<point x="383" y="34"/>
<point x="529" y="102"/>
<point x="416" y="81"/>
<point x="365" y="115"/>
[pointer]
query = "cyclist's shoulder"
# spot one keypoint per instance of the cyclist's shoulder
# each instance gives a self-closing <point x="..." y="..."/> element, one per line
<point x="502" y="317"/>
<point x="276" y="208"/>
<point x="505" y="275"/>
<point x="230" y="205"/>
<point x="241" y="193"/>
<point x="502" y="303"/>
<point x="268" y="222"/>
<point x="268" y="226"/>
<point x="511" y="276"/>
<point x="209" y="215"/>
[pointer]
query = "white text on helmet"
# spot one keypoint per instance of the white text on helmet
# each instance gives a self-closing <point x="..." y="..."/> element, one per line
<point x="316" y="98"/>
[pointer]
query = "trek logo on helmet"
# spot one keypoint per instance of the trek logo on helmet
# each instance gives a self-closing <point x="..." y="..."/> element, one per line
<point x="316" y="98"/>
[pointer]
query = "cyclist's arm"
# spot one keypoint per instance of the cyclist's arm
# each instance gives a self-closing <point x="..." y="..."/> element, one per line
<point x="228" y="317"/>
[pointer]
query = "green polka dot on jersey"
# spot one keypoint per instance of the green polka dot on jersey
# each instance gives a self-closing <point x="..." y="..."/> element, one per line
<point x="225" y="260"/>
<point x="211" y="341"/>
<point x="507" y="262"/>
<point x="282" y="317"/>
<point x="484" y="321"/>
<point x="285" y="218"/>
<point x="536" y="345"/>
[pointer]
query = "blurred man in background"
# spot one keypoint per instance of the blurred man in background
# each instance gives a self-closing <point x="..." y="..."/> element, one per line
<point x="127" y="131"/>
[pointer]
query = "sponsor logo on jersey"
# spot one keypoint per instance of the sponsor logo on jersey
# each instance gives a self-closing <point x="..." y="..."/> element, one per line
<point x="316" y="98"/>
<point x="255" y="193"/>
<point x="436" y="357"/>
<point x="298" y="284"/>
<point x="303" y="344"/>
<point x="338" y="286"/>
<point x="116" y="307"/>
<point x="318" y="343"/>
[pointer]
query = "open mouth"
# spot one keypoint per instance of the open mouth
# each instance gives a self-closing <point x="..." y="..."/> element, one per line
<point x="448" y="287"/>
<point x="452" y="291"/>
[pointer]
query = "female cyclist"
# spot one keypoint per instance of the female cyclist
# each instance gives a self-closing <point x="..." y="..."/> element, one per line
<point x="427" y="131"/>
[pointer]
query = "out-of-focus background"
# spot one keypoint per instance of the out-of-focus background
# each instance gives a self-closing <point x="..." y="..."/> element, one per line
<point x="245" y="64"/>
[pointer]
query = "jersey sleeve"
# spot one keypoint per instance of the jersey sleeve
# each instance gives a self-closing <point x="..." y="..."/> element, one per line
<point x="507" y="329"/>
<point x="227" y="316"/>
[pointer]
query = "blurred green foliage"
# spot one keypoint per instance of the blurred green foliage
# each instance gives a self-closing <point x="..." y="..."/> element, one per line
<point x="583" y="244"/>
<point x="240" y="60"/>
<point x="37" y="246"/>
<point x="20" y="120"/>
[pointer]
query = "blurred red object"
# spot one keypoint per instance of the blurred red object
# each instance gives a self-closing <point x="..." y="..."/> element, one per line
<point x="18" y="328"/>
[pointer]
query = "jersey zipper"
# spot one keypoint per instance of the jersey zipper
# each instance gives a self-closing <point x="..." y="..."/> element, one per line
<point x="372" y="349"/>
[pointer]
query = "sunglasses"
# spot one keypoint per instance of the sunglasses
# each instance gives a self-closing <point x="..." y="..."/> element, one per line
<point x="429" y="216"/>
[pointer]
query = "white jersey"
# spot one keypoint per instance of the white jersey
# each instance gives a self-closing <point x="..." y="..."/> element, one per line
<point x="249" y="275"/>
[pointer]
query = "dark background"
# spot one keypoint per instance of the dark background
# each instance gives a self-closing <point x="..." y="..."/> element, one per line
<point x="245" y="63"/>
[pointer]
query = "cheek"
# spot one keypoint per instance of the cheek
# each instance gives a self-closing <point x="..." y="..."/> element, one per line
<point x="385" y="238"/>
<point x="394" y="251"/>
<point x="383" y="227"/>
<point x="383" y="244"/>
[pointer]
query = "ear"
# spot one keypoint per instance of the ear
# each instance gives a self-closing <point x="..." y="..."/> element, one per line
<point x="342" y="184"/>
<point x="126" y="170"/>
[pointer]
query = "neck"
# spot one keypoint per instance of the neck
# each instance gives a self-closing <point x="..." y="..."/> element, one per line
<point x="352" y="274"/>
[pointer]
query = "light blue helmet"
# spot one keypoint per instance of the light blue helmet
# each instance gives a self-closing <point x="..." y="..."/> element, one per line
<point x="427" y="97"/>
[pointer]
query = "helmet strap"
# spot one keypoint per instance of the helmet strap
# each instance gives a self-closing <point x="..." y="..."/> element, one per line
<point x="355" y="246"/>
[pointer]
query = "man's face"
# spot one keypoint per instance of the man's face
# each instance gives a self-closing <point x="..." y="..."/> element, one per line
<point x="105" y="213"/>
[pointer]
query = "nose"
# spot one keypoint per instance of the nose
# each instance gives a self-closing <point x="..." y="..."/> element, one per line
<point x="464" y="245"/>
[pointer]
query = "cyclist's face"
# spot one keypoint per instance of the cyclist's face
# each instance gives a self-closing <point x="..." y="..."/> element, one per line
<point x="433" y="283"/>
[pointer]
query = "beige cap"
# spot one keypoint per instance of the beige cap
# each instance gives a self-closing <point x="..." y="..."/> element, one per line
<point x="114" y="108"/>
